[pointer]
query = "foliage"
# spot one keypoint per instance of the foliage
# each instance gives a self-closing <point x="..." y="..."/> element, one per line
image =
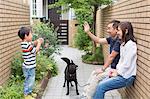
<point x="47" y="32"/>
<point x="12" y="90"/>
<point x="82" y="41"/>
<point x="16" y="67"/>
<point x="79" y="3"/>
<point x="96" y="58"/>
<point x="43" y="63"/>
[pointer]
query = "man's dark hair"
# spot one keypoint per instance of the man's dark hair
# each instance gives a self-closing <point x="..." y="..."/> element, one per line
<point x="23" y="31"/>
<point x="115" y="23"/>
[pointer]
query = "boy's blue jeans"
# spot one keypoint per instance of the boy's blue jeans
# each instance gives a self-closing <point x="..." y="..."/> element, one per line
<point x="110" y="84"/>
<point x="29" y="74"/>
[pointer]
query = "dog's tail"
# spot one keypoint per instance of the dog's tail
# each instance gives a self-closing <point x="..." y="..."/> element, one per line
<point x="66" y="60"/>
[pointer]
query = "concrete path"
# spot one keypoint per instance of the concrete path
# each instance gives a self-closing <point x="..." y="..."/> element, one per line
<point x="55" y="89"/>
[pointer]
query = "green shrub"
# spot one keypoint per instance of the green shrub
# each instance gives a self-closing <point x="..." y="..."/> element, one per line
<point x="16" y="67"/>
<point x="96" y="58"/>
<point x="82" y="41"/>
<point x="12" y="90"/>
<point x="47" y="32"/>
<point x="43" y="64"/>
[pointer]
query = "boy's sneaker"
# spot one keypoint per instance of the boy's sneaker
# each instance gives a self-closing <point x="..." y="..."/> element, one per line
<point x="34" y="95"/>
<point x="29" y="97"/>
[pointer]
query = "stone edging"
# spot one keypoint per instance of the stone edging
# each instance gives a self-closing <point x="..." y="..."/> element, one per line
<point x="43" y="85"/>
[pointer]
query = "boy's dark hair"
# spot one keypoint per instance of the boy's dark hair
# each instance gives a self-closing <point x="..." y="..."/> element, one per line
<point x="127" y="31"/>
<point x="23" y="31"/>
<point x="115" y="24"/>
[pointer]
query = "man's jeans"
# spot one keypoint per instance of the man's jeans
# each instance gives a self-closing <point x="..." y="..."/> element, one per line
<point x="110" y="84"/>
<point x="29" y="74"/>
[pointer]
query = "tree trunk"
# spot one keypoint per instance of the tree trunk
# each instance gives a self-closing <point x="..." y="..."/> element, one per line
<point x="94" y="28"/>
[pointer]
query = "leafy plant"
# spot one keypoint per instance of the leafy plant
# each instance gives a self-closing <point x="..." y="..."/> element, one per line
<point x="82" y="41"/>
<point x="12" y="90"/>
<point x="16" y="67"/>
<point x="47" y="32"/>
<point x="43" y="64"/>
<point x="94" y="58"/>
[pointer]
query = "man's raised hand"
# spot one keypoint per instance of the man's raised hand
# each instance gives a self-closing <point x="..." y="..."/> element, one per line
<point x="86" y="27"/>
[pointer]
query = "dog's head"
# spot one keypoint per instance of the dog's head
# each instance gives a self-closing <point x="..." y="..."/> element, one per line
<point x="72" y="67"/>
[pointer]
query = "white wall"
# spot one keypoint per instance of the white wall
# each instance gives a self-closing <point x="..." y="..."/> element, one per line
<point x="70" y="15"/>
<point x="39" y="8"/>
<point x="45" y="9"/>
<point x="65" y="15"/>
<point x="42" y="9"/>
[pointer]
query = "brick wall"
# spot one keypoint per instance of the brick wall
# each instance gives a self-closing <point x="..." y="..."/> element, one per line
<point x="13" y="15"/>
<point x="138" y="13"/>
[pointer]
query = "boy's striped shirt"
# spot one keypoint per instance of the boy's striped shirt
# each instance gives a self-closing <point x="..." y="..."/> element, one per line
<point x="28" y="54"/>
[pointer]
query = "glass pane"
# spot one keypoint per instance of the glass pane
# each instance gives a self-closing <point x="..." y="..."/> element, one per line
<point x="33" y="7"/>
<point x="35" y="12"/>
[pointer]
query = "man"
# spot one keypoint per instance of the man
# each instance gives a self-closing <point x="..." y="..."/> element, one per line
<point x="112" y="59"/>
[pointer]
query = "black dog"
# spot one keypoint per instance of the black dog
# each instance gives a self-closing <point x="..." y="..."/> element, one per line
<point x="70" y="74"/>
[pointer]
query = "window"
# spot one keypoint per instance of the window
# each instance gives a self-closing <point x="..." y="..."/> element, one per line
<point x="34" y="8"/>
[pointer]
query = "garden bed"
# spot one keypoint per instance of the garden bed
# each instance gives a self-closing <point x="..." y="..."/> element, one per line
<point x="43" y="85"/>
<point x="95" y="59"/>
<point x="13" y="89"/>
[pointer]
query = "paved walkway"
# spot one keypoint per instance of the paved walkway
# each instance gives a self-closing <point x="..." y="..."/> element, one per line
<point x="55" y="89"/>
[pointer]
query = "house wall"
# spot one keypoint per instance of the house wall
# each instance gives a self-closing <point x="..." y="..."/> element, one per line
<point x="64" y="15"/>
<point x="39" y="8"/>
<point x="72" y="31"/>
<point x="13" y="15"/>
<point x="138" y="13"/>
<point x="45" y="9"/>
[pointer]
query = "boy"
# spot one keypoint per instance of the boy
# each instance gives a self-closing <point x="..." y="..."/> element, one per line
<point x="29" y="50"/>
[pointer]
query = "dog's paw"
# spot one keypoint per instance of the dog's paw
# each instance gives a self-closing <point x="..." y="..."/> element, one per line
<point x="67" y="93"/>
<point x="77" y="93"/>
<point x="63" y="85"/>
